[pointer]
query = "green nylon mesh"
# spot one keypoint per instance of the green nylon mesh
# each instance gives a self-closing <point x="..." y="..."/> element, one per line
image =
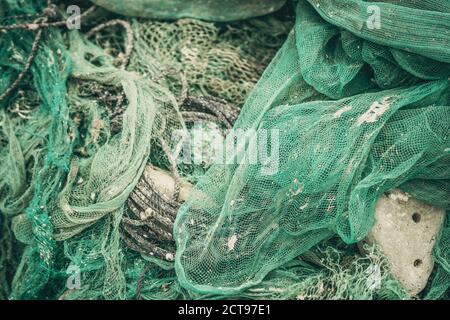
<point x="358" y="111"/>
<point x="336" y="156"/>
<point x="212" y="10"/>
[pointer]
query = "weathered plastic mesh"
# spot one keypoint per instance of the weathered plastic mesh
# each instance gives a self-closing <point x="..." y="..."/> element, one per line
<point x="212" y="10"/>
<point x="358" y="111"/>
<point x="337" y="152"/>
<point x="103" y="162"/>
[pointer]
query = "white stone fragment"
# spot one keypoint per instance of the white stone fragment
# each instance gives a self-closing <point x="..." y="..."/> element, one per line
<point x="406" y="230"/>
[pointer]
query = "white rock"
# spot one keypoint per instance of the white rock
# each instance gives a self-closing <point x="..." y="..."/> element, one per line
<point x="406" y="230"/>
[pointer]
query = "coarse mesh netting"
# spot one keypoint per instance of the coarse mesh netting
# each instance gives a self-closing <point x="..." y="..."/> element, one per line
<point x="351" y="112"/>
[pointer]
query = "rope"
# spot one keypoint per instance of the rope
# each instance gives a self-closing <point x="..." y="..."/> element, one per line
<point x="47" y="12"/>
<point x="141" y="280"/>
<point x="38" y="25"/>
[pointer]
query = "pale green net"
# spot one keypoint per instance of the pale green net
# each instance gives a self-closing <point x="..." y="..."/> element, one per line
<point x="355" y="111"/>
<point x="213" y="10"/>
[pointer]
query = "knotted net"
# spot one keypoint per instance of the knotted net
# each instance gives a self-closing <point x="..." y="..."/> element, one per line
<point x="355" y="111"/>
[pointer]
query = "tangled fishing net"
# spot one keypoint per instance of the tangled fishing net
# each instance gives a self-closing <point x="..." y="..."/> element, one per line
<point x="90" y="186"/>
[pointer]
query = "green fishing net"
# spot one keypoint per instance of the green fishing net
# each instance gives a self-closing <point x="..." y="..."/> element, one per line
<point x="212" y="10"/>
<point x="350" y="111"/>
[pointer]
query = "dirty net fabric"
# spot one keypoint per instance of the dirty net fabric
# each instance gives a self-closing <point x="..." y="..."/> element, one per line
<point x="211" y="10"/>
<point x="357" y="111"/>
<point x="354" y="121"/>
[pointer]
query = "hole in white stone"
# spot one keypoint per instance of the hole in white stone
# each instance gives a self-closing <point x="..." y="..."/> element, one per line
<point x="417" y="263"/>
<point x="416" y="217"/>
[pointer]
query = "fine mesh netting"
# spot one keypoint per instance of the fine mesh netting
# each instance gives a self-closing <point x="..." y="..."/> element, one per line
<point x="213" y="10"/>
<point x="338" y="152"/>
<point x="89" y="180"/>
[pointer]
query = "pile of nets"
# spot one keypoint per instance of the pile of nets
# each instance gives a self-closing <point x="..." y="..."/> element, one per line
<point x="350" y="111"/>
